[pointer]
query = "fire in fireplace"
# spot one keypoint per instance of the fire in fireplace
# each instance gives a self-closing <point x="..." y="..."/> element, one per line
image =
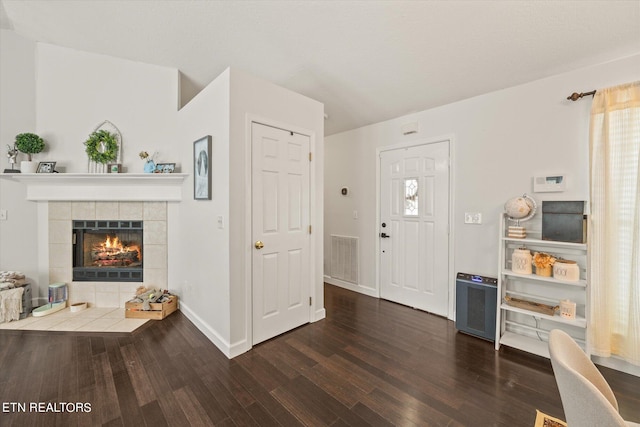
<point x="105" y="251"/>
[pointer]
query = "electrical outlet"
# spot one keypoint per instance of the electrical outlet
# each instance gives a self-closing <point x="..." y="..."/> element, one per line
<point x="3" y="214"/>
<point x="472" y="218"/>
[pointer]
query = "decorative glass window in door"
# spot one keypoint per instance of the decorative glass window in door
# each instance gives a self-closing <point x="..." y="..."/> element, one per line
<point x="411" y="196"/>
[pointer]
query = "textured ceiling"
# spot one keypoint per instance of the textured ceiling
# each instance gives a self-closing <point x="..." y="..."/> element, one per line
<point x="367" y="61"/>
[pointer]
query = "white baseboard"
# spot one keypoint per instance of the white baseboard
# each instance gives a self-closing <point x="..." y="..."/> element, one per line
<point x="229" y="350"/>
<point x="236" y="349"/>
<point x="617" y="364"/>
<point x="352" y="287"/>
<point x="208" y="331"/>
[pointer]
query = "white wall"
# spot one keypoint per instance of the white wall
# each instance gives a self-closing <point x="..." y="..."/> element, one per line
<point x="72" y="92"/>
<point x="500" y="141"/>
<point x="199" y="250"/>
<point x="207" y="265"/>
<point x="18" y="236"/>
<point x="256" y="99"/>
<point x="212" y="265"/>
<point x="77" y="91"/>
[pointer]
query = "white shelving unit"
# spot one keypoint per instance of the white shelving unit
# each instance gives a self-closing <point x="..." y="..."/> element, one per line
<point x="528" y="330"/>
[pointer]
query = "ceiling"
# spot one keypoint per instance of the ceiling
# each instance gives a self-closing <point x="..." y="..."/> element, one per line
<point x="367" y="61"/>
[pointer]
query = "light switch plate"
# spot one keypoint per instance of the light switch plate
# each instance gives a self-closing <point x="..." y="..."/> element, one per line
<point x="472" y="218"/>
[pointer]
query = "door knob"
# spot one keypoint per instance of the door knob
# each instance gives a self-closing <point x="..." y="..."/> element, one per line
<point x="259" y="245"/>
<point x="384" y="235"/>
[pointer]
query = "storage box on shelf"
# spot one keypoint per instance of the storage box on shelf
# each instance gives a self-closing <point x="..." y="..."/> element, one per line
<point x="526" y="327"/>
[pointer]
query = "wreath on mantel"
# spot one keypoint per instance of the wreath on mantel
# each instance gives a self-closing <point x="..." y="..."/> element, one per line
<point x="102" y="146"/>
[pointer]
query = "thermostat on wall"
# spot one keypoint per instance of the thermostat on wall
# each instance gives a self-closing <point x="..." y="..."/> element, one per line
<point x="549" y="183"/>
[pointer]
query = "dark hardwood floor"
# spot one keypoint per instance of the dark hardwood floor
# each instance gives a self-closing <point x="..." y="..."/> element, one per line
<point x="370" y="362"/>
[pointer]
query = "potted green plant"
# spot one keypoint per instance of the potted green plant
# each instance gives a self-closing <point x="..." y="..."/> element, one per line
<point x="29" y="143"/>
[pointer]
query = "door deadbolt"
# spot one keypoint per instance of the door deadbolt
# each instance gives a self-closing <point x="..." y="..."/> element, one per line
<point x="259" y="245"/>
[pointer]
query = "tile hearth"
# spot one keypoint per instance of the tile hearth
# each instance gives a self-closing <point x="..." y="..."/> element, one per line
<point x="92" y="319"/>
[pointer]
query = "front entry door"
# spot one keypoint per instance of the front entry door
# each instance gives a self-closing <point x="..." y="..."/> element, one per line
<point x="414" y="222"/>
<point x="280" y="228"/>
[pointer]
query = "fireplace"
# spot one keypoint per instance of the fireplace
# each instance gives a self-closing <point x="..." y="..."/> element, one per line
<point x="107" y="251"/>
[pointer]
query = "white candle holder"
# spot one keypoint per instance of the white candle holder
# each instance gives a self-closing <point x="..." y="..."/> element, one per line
<point x="568" y="309"/>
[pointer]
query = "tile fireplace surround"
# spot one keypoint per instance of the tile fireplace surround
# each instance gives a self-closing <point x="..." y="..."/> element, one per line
<point x="106" y="294"/>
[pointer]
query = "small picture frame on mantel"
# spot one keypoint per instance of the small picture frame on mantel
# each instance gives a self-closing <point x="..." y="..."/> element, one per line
<point x="202" y="168"/>
<point x="114" y="168"/>
<point x="46" y="167"/>
<point x="165" y="168"/>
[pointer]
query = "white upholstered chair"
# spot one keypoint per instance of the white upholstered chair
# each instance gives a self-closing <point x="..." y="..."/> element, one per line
<point x="587" y="399"/>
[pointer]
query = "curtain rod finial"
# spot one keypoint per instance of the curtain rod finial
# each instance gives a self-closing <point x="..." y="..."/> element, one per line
<point x="575" y="96"/>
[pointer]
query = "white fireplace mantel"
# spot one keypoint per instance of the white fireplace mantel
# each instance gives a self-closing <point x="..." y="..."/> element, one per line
<point x="146" y="187"/>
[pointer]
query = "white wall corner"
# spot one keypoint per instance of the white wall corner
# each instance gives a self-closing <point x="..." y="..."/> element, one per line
<point x="319" y="314"/>
<point x="366" y="290"/>
<point x="42" y="286"/>
<point x="213" y="336"/>
<point x="238" y="348"/>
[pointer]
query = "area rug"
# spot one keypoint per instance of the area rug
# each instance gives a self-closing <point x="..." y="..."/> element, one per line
<point x="544" y="420"/>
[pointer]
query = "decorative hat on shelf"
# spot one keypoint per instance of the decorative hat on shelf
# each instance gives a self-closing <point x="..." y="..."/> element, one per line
<point x="519" y="209"/>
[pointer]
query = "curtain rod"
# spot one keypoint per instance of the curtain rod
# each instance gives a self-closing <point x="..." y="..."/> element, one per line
<point x="575" y="96"/>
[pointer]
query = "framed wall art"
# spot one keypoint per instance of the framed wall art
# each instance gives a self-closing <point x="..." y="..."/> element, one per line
<point x="46" y="167"/>
<point x="202" y="168"/>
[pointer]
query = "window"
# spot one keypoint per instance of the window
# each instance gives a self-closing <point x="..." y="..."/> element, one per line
<point x="614" y="235"/>
<point x="411" y="196"/>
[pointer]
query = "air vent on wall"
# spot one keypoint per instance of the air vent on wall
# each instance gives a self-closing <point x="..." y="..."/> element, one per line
<point x="344" y="258"/>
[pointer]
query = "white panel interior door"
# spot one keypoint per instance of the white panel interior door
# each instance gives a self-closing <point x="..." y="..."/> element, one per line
<point x="414" y="237"/>
<point x="280" y="228"/>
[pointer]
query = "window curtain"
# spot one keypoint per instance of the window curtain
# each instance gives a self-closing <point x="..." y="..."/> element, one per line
<point x="614" y="232"/>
